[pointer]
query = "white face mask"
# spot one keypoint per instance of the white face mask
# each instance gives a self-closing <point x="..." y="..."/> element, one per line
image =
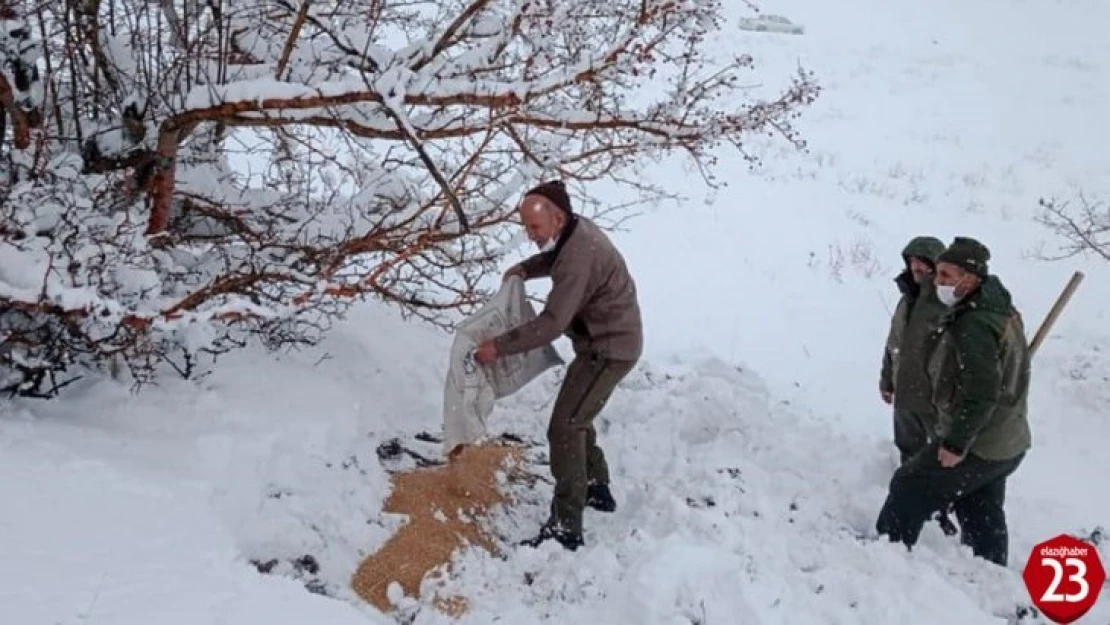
<point x="947" y="294"/>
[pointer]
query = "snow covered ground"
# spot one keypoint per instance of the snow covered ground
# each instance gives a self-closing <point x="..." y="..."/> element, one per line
<point x="748" y="448"/>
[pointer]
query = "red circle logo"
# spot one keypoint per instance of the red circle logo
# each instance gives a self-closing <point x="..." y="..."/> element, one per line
<point x="1064" y="576"/>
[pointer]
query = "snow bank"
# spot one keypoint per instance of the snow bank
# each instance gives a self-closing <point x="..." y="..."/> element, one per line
<point x="735" y="507"/>
<point x="733" y="504"/>
<point x="266" y="459"/>
<point x="86" y="541"/>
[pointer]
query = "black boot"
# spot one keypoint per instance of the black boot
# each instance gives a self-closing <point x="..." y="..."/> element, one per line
<point x="569" y="540"/>
<point x="946" y="525"/>
<point x="598" y="497"/>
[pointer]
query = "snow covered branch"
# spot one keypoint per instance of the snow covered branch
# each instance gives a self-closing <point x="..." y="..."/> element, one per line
<point x="247" y="168"/>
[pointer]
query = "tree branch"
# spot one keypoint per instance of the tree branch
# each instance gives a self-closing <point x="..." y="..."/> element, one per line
<point x="21" y="126"/>
<point x="291" y="40"/>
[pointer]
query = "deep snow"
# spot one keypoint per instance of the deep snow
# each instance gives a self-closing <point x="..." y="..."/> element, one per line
<point x="943" y="118"/>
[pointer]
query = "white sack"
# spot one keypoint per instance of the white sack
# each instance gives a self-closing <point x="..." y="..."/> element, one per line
<point x="471" y="389"/>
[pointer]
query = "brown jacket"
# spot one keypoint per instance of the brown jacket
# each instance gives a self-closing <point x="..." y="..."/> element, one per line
<point x="593" y="298"/>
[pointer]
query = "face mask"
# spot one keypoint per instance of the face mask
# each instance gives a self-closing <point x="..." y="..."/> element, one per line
<point x="947" y="294"/>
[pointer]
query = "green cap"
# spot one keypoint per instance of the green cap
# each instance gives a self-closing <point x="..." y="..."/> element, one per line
<point x="968" y="254"/>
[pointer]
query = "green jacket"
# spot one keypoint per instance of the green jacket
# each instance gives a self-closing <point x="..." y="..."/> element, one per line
<point x="893" y="343"/>
<point x="903" y="366"/>
<point x="979" y="369"/>
<point x="907" y="345"/>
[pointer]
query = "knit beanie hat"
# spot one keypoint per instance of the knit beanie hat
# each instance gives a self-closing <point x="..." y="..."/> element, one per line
<point x="556" y="192"/>
<point x="968" y="254"/>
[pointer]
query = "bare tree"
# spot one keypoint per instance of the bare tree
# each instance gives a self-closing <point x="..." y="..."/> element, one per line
<point x="387" y="142"/>
<point x="1083" y="226"/>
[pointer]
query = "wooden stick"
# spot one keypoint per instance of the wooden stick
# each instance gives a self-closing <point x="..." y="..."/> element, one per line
<point x="1053" y="314"/>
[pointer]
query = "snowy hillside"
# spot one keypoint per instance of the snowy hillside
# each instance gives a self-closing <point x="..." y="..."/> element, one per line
<point x="749" y="448"/>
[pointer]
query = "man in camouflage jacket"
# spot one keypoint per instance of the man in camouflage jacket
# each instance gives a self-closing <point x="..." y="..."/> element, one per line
<point x="902" y="380"/>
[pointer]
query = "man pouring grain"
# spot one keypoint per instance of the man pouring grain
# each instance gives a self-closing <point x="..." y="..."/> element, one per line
<point x="593" y="301"/>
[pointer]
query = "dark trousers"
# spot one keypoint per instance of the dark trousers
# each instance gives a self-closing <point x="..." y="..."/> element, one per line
<point x="576" y="458"/>
<point x="975" y="488"/>
<point x="910" y="435"/>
